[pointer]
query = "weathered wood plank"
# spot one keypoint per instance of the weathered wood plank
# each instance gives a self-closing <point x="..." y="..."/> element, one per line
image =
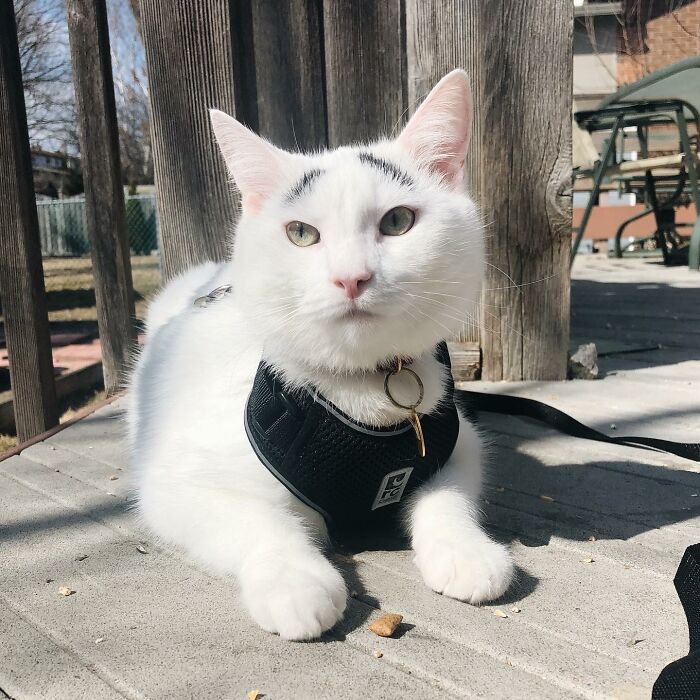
<point x="289" y="72"/>
<point x="466" y="360"/>
<point x="519" y="166"/>
<point x="365" y="68"/>
<point x="104" y="196"/>
<point x="21" y="276"/>
<point x="189" y="53"/>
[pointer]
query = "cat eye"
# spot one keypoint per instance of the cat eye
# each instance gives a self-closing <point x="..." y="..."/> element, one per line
<point x="302" y="234"/>
<point x="397" y="221"/>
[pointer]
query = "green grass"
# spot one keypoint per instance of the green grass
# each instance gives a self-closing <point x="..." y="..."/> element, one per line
<point x="70" y="296"/>
<point x="70" y="288"/>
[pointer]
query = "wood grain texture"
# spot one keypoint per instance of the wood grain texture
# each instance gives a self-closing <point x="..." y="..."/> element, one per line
<point x="365" y="68"/>
<point x="519" y="57"/>
<point x="189" y="55"/>
<point x="21" y="275"/>
<point x="104" y="196"/>
<point x="288" y="39"/>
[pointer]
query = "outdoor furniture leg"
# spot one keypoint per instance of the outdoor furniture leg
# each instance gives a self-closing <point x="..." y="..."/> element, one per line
<point x="694" y="252"/>
<point x="597" y="180"/>
<point x="659" y="235"/>
<point x="623" y="226"/>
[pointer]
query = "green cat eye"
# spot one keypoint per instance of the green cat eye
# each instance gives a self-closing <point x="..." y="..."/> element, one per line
<point x="302" y="234"/>
<point x="397" y="221"/>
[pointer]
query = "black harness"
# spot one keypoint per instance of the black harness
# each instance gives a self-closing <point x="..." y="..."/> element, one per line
<point x="349" y="472"/>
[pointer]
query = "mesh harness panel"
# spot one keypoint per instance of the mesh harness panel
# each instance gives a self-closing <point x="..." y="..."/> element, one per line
<point x="349" y="472"/>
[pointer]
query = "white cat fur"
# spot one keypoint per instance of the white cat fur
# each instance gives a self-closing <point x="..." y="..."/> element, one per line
<point x="198" y="484"/>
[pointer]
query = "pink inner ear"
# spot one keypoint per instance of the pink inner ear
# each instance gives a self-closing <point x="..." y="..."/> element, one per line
<point x="438" y="133"/>
<point x="255" y="165"/>
<point x="252" y="202"/>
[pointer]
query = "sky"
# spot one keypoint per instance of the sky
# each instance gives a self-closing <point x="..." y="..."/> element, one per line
<point x="128" y="65"/>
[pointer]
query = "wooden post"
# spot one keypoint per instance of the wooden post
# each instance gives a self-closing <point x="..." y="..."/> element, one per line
<point x="189" y="53"/>
<point x="365" y="68"/>
<point x="104" y="194"/>
<point x="289" y="72"/>
<point x="21" y="276"/>
<point x="519" y="167"/>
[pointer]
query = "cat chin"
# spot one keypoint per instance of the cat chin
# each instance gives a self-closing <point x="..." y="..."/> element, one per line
<point x="358" y="347"/>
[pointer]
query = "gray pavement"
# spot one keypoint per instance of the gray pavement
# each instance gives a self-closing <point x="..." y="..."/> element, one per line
<point x="597" y="617"/>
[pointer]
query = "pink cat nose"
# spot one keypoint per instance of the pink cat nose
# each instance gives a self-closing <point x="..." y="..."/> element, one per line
<point x="353" y="286"/>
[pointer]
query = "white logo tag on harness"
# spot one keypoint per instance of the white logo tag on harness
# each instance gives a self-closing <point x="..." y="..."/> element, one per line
<point x="392" y="488"/>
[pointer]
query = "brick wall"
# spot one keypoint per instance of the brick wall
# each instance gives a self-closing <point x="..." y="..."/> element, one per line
<point x="650" y="37"/>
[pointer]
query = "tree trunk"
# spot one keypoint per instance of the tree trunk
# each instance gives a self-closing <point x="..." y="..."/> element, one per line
<point x="190" y="57"/>
<point x="365" y="69"/>
<point x="21" y="275"/>
<point x="519" y="167"/>
<point x="104" y="194"/>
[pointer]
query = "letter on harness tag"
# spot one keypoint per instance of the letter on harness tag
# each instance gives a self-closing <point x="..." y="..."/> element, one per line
<point x="392" y="487"/>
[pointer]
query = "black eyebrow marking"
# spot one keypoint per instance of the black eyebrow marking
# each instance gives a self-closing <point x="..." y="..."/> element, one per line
<point x="304" y="184"/>
<point x="388" y="168"/>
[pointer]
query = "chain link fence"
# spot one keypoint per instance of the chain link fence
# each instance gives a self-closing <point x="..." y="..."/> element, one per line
<point x="63" y="230"/>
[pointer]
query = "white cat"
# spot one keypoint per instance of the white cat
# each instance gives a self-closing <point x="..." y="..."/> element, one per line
<point x="342" y="261"/>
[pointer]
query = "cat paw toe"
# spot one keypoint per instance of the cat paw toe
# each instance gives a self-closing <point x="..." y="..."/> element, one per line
<point x="474" y="573"/>
<point x="297" y="601"/>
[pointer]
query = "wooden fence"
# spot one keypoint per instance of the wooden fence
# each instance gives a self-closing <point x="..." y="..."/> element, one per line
<point x="306" y="73"/>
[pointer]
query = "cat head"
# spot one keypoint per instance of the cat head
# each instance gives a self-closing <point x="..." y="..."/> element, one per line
<point x="349" y="257"/>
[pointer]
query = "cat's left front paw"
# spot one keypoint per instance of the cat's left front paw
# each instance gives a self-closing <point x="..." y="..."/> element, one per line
<point x="472" y="571"/>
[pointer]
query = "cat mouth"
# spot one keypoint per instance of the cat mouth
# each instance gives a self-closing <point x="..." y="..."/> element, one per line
<point x="355" y="313"/>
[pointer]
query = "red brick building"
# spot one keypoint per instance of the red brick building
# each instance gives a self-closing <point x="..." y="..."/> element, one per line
<point x="616" y="43"/>
<point x="654" y="34"/>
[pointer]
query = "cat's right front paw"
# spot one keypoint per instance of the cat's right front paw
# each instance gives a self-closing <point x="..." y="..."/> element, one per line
<point x="298" y="598"/>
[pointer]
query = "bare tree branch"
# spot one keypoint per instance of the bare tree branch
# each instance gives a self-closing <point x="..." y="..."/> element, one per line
<point x="46" y="73"/>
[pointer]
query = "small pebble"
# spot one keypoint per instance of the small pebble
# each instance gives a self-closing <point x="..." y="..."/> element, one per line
<point x="99" y="640"/>
<point x="114" y="477"/>
<point x="613" y="426"/>
<point x="500" y="613"/>
<point x="140" y="548"/>
<point x="81" y="557"/>
<point x="253" y="695"/>
<point x="49" y="580"/>
<point x="66" y="591"/>
<point x="588" y="560"/>
<point x="515" y="609"/>
<point x="547" y="499"/>
<point x="378" y="654"/>
<point x="592" y="538"/>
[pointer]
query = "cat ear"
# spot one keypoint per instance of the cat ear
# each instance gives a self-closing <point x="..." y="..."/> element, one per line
<point x="437" y="135"/>
<point x="256" y="165"/>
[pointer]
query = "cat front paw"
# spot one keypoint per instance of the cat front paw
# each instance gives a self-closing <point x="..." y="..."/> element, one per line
<point x="298" y="598"/>
<point x="474" y="572"/>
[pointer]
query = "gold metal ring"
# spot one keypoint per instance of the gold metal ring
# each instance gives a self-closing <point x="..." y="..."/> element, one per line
<point x="387" y="391"/>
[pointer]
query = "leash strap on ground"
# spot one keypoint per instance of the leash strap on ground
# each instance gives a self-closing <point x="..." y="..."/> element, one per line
<point x="529" y="408"/>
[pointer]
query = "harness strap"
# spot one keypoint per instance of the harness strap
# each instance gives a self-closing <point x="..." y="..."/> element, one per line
<point x="564" y="423"/>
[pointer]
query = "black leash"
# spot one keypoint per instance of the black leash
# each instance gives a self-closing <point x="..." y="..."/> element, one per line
<point x="529" y="408"/>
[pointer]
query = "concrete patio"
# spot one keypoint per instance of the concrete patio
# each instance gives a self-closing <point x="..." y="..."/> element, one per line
<point x="597" y="533"/>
